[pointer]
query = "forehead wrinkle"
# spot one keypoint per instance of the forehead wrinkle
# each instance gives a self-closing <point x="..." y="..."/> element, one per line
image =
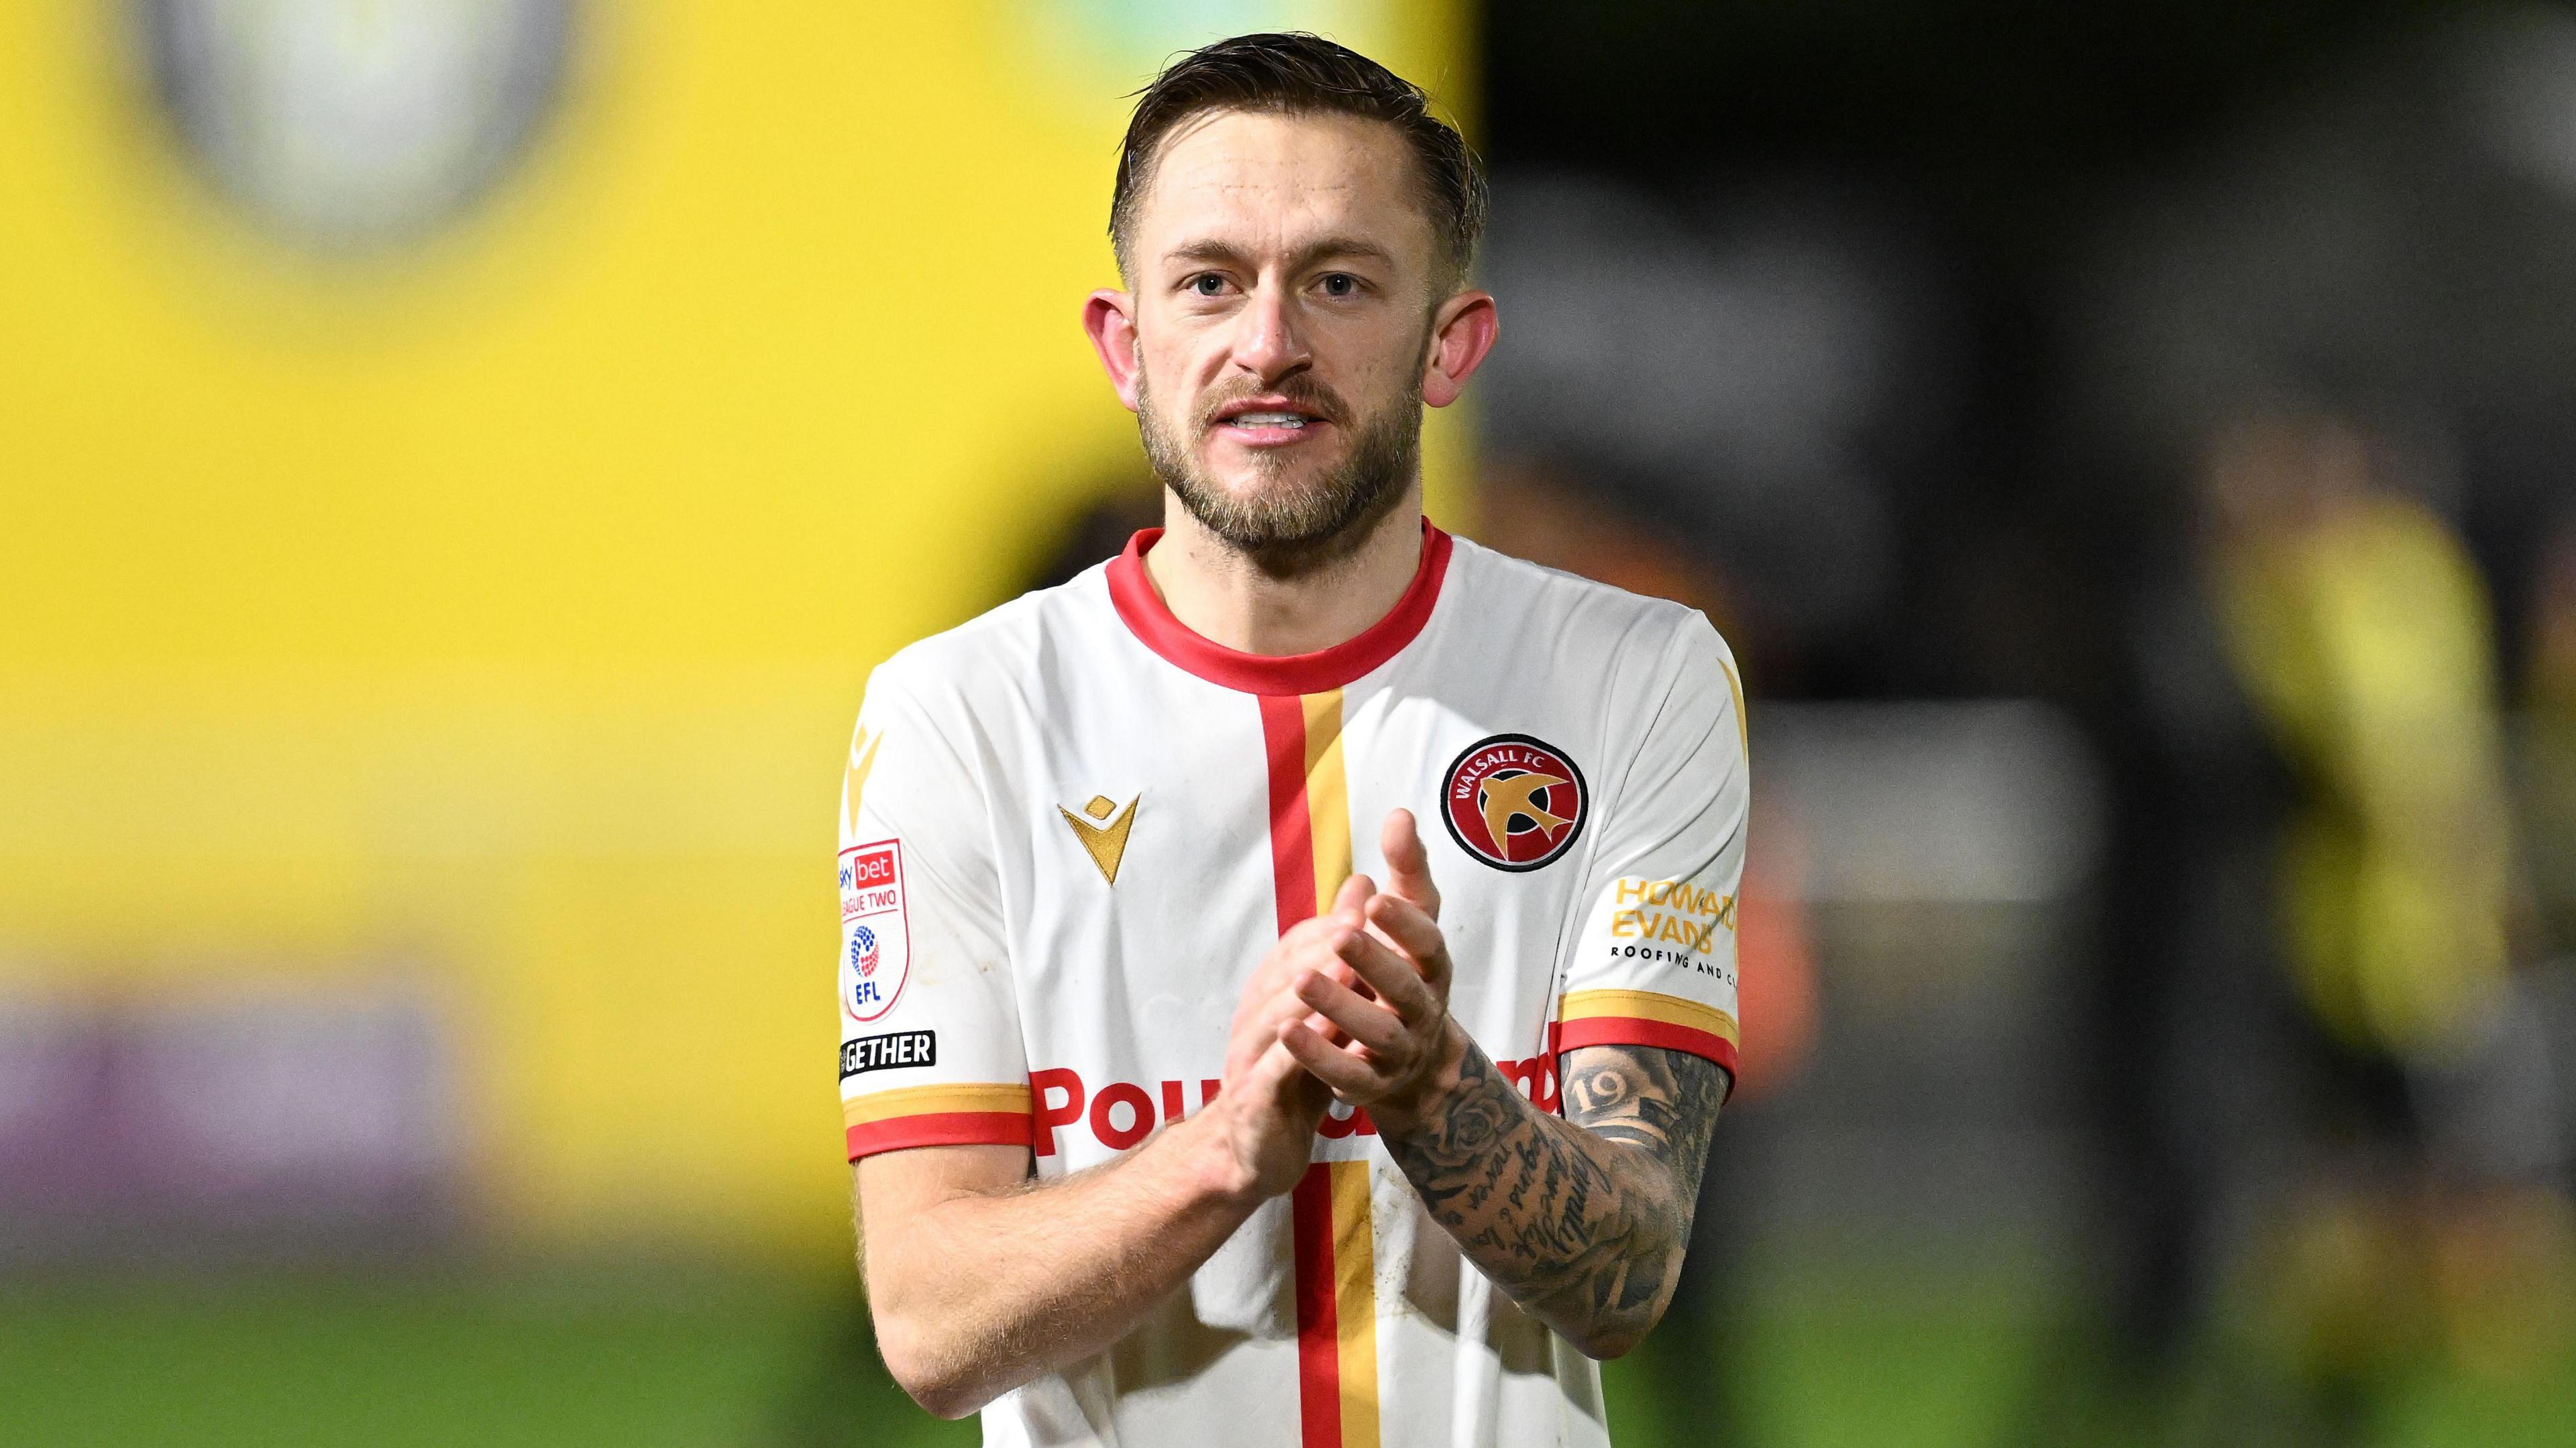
<point x="1292" y="177"/>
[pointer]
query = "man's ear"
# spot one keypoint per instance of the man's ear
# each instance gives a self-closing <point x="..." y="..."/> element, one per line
<point x="1109" y="320"/>
<point x="1462" y="332"/>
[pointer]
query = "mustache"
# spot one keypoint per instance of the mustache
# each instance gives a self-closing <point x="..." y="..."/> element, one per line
<point x="1297" y="388"/>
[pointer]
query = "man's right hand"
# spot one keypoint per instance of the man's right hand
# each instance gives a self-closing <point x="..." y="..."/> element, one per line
<point x="1269" y="1106"/>
<point x="980" y="1279"/>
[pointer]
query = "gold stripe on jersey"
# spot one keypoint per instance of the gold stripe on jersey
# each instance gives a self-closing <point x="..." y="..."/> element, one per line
<point x="1328" y="803"/>
<point x="1735" y="687"/>
<point x="926" y="1100"/>
<point x="1646" y="1005"/>
<point x="1355" y="1302"/>
<point x="863" y="757"/>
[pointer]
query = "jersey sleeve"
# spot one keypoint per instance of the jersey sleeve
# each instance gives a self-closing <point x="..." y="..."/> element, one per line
<point x="1653" y="962"/>
<point x="931" y="1051"/>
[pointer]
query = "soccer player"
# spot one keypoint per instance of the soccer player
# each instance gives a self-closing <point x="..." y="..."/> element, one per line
<point x="1288" y="972"/>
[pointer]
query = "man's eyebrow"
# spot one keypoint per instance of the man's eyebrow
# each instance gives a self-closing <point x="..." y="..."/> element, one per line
<point x="1323" y="249"/>
<point x="1215" y="251"/>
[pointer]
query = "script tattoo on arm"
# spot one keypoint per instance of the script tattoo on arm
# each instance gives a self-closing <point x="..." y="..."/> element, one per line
<point x="1581" y="1220"/>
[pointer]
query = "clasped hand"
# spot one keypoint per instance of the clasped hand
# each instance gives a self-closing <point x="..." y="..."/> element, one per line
<point x="1352" y="1004"/>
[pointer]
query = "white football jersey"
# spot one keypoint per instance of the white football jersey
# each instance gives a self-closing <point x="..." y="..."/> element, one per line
<point x="1071" y="828"/>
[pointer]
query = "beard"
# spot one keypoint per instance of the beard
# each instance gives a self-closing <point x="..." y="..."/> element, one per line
<point x="1288" y="526"/>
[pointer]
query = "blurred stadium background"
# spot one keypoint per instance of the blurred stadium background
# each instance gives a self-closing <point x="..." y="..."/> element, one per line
<point x="460" y="458"/>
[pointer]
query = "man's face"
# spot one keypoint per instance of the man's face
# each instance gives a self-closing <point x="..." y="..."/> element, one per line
<point x="1283" y="272"/>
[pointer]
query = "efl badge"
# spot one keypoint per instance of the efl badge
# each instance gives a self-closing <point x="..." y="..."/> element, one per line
<point x="876" y="938"/>
<point x="1514" y="802"/>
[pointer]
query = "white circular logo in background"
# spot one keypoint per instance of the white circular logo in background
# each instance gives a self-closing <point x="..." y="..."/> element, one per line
<point x="352" y="125"/>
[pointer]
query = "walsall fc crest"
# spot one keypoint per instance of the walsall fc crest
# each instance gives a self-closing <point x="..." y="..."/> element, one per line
<point x="1514" y="802"/>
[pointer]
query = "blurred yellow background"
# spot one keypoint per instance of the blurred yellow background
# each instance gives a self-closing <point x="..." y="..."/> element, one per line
<point x="459" y="460"/>
<point x="484" y="616"/>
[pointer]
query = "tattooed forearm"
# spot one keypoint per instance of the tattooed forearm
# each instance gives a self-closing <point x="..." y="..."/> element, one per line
<point x="1581" y="1220"/>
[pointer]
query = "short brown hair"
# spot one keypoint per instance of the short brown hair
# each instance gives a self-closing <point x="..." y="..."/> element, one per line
<point x="1295" y="73"/>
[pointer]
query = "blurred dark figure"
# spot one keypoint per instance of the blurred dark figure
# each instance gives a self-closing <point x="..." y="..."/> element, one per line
<point x="2548" y="785"/>
<point x="2355" y="620"/>
<point x="2333" y="1150"/>
<point x="2332" y="1145"/>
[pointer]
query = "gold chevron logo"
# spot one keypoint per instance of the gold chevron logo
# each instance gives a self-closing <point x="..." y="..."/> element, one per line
<point x="863" y="757"/>
<point x="1106" y="841"/>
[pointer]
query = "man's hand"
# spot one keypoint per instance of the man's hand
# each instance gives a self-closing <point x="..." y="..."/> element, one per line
<point x="1379" y="1033"/>
<point x="1582" y="1219"/>
<point x="1268" y="1107"/>
<point x="980" y="1279"/>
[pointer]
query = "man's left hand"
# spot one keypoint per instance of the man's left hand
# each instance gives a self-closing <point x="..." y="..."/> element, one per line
<point x="1387" y="995"/>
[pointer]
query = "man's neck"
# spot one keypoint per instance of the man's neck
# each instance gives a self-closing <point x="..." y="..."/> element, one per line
<point x="1227" y="598"/>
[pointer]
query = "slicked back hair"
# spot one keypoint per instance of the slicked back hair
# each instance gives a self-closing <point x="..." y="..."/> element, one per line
<point x="1295" y="73"/>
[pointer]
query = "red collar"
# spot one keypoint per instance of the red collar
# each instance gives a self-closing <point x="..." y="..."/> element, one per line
<point x="1274" y="674"/>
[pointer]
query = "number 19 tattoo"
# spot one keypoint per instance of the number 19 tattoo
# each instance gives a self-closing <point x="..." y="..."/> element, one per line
<point x="1582" y="1220"/>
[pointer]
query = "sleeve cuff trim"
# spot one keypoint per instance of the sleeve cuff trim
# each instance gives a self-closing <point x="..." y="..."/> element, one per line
<point x="1646" y="1005"/>
<point x="970" y="1099"/>
<point x="939" y="1128"/>
<point x="1632" y="1031"/>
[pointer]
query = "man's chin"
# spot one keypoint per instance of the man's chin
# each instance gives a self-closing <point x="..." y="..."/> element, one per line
<point x="1249" y="476"/>
<point x="1285" y="530"/>
<point x="1290" y="509"/>
<point x="1285" y="492"/>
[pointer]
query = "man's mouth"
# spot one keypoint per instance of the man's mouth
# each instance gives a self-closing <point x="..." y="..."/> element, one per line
<point x="1267" y="421"/>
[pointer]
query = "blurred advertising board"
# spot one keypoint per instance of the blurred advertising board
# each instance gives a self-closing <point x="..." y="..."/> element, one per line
<point x="217" y="1122"/>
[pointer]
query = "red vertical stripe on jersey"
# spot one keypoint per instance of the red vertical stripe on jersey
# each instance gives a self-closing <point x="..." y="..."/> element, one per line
<point x="1292" y="833"/>
<point x="1319" y="1364"/>
<point x="1331" y="1234"/>
<point x="1292" y="869"/>
<point x="1330" y="1231"/>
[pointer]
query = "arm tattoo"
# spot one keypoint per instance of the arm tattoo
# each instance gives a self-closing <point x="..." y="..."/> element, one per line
<point x="1581" y="1220"/>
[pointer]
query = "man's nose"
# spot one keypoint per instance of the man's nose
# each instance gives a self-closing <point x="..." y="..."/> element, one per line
<point x="1267" y="341"/>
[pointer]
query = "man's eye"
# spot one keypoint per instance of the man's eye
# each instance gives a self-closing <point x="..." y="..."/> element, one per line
<point x="1207" y="284"/>
<point x="1340" y="284"/>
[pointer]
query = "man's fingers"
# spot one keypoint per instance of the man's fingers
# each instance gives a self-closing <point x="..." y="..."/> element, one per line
<point x="1353" y="897"/>
<point x="1308" y="943"/>
<point x="1272" y="1067"/>
<point x="1370" y="1024"/>
<point x="1328" y="1063"/>
<point x="1408" y="864"/>
<point x="1268" y="1003"/>
<point x="1414" y="933"/>
<point x="1392" y="977"/>
<point x="1278" y="1011"/>
<point x="1278" y="1084"/>
<point x="1313" y="933"/>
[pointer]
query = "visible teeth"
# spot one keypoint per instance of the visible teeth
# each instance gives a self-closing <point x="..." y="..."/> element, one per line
<point x="1268" y="419"/>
